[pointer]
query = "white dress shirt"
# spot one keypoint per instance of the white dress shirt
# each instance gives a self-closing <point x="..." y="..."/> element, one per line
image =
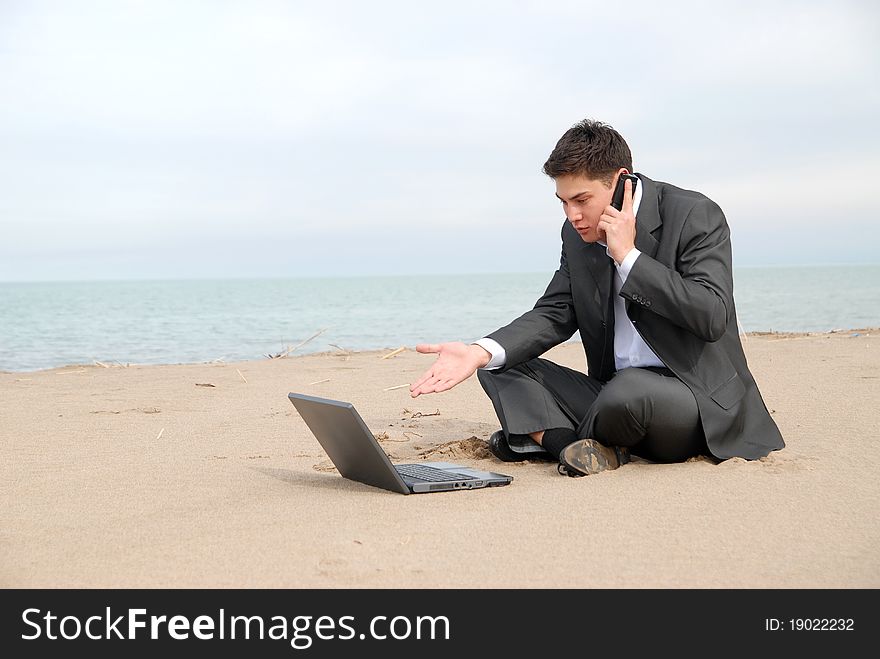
<point x="629" y="347"/>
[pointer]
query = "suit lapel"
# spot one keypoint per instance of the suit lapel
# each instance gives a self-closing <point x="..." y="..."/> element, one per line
<point x="648" y="219"/>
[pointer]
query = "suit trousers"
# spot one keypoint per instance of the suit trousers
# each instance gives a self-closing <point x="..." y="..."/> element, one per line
<point x="648" y="410"/>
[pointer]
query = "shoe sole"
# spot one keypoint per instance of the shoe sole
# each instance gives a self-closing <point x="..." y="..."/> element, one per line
<point x="587" y="456"/>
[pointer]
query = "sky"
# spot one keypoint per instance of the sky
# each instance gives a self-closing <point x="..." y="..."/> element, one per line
<point x="184" y="139"/>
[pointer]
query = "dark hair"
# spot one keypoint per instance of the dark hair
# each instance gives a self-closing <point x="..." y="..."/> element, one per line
<point x="589" y="148"/>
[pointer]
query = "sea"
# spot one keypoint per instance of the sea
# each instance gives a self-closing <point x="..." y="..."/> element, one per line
<point x="52" y="324"/>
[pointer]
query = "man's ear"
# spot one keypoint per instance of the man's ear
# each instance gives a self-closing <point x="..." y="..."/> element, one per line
<point x="619" y="173"/>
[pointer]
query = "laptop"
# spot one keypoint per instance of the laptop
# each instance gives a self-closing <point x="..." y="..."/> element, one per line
<point x="357" y="455"/>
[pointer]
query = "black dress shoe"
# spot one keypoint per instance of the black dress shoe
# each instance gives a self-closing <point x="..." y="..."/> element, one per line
<point x="518" y="450"/>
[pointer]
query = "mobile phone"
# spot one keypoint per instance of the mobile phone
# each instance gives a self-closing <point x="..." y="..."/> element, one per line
<point x="617" y="199"/>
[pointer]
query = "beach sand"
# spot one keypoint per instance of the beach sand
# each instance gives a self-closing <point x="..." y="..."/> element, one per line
<point x="144" y="476"/>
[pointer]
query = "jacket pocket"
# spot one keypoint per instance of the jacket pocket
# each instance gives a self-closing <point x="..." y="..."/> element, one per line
<point x="729" y="393"/>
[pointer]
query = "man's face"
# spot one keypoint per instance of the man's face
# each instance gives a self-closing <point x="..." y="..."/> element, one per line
<point x="584" y="200"/>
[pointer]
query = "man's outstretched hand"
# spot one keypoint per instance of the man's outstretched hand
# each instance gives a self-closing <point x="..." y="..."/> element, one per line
<point x="456" y="363"/>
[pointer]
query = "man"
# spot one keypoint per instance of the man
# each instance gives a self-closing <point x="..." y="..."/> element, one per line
<point x="650" y="287"/>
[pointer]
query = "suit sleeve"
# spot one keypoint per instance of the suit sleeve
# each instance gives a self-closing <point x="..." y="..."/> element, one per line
<point x="549" y="323"/>
<point x="697" y="295"/>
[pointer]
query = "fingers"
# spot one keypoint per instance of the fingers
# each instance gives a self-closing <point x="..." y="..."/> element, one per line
<point x="438" y="385"/>
<point x="431" y="384"/>
<point x="425" y="388"/>
<point x="627" y="196"/>
<point x="425" y="383"/>
<point x="426" y="348"/>
<point x="445" y="385"/>
<point x="418" y="383"/>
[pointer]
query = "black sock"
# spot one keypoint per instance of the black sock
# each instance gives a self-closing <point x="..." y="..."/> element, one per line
<point x="556" y="439"/>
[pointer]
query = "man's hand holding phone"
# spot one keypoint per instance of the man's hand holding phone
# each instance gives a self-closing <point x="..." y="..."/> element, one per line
<point x="619" y="225"/>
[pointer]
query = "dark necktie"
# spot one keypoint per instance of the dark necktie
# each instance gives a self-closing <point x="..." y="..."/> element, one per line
<point x="608" y="367"/>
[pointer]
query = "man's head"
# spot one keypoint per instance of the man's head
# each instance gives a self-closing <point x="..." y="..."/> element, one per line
<point x="585" y="165"/>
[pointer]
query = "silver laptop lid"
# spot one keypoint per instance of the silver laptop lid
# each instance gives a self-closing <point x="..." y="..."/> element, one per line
<point x="348" y="442"/>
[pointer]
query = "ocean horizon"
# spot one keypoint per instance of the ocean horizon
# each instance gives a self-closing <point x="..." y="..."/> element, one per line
<point x="52" y="324"/>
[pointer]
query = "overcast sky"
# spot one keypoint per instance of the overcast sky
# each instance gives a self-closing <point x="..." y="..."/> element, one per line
<point x="270" y="139"/>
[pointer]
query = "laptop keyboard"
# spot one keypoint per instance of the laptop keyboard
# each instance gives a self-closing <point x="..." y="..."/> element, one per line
<point x="433" y="474"/>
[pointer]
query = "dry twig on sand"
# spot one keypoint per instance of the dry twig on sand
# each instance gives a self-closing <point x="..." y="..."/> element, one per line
<point x="399" y="386"/>
<point x="320" y="381"/>
<point x="116" y="364"/>
<point x="289" y="350"/>
<point x="241" y="376"/>
<point x="416" y="415"/>
<point x="396" y="352"/>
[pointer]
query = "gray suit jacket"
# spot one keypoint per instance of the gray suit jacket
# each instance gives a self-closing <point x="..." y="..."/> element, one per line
<point x="679" y="296"/>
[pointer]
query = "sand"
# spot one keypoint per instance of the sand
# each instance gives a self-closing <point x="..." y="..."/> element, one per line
<point x="145" y="476"/>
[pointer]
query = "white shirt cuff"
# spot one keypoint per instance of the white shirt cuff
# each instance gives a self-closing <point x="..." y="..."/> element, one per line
<point x="627" y="263"/>
<point x="499" y="355"/>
